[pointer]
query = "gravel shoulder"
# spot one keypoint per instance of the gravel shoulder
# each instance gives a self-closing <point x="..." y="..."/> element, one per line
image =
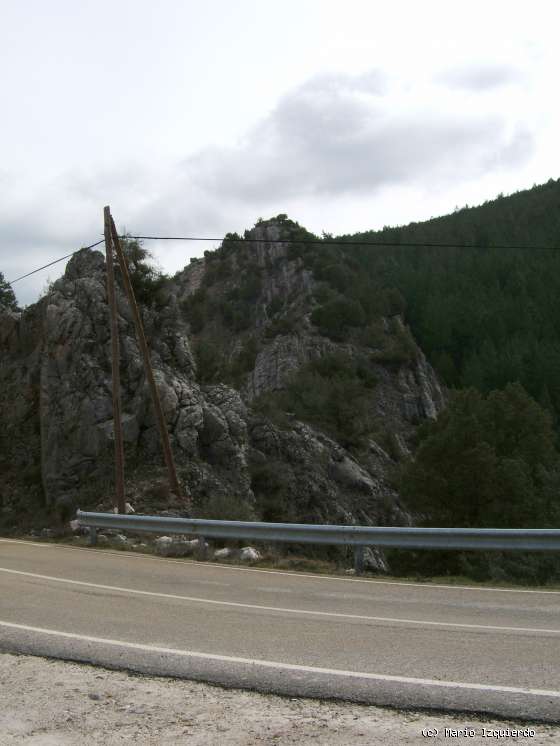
<point x="47" y="702"/>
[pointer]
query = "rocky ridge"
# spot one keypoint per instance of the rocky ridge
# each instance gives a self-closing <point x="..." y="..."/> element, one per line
<point x="55" y="396"/>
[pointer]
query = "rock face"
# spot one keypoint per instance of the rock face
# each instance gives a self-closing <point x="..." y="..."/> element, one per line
<point x="56" y="439"/>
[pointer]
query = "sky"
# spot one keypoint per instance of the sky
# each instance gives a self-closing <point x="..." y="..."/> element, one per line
<point x="196" y="119"/>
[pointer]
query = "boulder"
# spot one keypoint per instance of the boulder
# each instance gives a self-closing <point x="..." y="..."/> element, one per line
<point x="348" y="473"/>
<point x="162" y="541"/>
<point x="119" y="540"/>
<point x="168" y="547"/>
<point x="221" y="554"/>
<point x="374" y="560"/>
<point x="249" y="554"/>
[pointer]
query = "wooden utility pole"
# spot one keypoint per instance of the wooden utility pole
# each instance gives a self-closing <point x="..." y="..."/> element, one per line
<point x="115" y="361"/>
<point x="160" y="419"/>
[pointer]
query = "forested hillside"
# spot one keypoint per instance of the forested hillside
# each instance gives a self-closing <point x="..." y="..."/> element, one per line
<point x="486" y="311"/>
<point x="488" y="320"/>
<point x="484" y="317"/>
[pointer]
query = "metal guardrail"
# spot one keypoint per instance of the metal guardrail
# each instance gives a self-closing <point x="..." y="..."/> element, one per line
<point x="521" y="539"/>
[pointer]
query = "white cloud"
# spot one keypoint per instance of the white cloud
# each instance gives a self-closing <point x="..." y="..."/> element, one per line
<point x="334" y="135"/>
<point x="482" y="77"/>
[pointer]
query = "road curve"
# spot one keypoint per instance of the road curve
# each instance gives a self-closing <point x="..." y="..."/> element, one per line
<point x="405" y="645"/>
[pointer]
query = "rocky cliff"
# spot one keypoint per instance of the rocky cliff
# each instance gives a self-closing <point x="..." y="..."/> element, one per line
<point x="237" y="351"/>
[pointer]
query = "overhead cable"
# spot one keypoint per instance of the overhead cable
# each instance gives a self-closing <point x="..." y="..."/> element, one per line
<point x="55" y="262"/>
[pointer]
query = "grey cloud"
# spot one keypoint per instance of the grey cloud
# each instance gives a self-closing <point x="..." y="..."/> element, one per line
<point x="41" y="229"/>
<point x="331" y="137"/>
<point x="482" y="77"/>
<point x="335" y="136"/>
<point x="519" y="148"/>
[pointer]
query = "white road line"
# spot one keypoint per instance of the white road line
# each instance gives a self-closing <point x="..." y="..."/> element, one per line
<point x="315" y="576"/>
<point x="286" y="666"/>
<point x="259" y="607"/>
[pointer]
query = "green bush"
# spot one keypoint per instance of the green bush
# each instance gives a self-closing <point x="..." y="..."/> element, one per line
<point x="487" y="461"/>
<point x="274" y="306"/>
<point x="147" y="281"/>
<point x="271" y="405"/>
<point x="197" y="318"/>
<point x="281" y="326"/>
<point x="334" y="318"/>
<point x="209" y="361"/>
<point x="243" y="363"/>
<point x="271" y="489"/>
<point x="338" y="275"/>
<point x="528" y="568"/>
<point x="198" y="309"/>
<point x="225" y="508"/>
<point x="216" y="269"/>
<point x="236" y="315"/>
<point x="323" y="293"/>
<point x="334" y="393"/>
<point x="399" y="347"/>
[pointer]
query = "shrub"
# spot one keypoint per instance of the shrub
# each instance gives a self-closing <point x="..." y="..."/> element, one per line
<point x="236" y="315"/>
<point x="274" y="306"/>
<point x="278" y="327"/>
<point x="198" y="309"/>
<point x="399" y="347"/>
<point x="337" y="315"/>
<point x="216" y="269"/>
<point x="333" y="393"/>
<point x="209" y="361"/>
<point x="270" y="485"/>
<point x="242" y="363"/>
<point x="147" y="281"/>
<point x="323" y="293"/>
<point x="225" y="508"/>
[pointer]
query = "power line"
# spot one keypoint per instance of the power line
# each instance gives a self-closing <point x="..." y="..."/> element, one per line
<point x="321" y="241"/>
<point x="55" y="262"/>
<point x="341" y="242"/>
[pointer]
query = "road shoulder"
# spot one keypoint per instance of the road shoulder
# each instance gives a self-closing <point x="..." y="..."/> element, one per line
<point x="54" y="702"/>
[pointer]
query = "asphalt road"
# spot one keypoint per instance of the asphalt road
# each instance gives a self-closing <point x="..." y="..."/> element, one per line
<point x="406" y="645"/>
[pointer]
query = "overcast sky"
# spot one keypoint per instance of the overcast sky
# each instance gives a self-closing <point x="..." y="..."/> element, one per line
<point x="196" y="118"/>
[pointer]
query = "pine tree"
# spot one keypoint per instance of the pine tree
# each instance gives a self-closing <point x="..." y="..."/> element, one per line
<point x="7" y="296"/>
<point x="487" y="461"/>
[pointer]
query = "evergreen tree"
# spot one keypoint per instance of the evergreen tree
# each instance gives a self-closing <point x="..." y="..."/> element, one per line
<point x="7" y="296"/>
<point x="488" y="461"/>
<point x="492" y="312"/>
<point x="146" y="279"/>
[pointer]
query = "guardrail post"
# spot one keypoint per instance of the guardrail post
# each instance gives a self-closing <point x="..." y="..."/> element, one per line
<point x="92" y="536"/>
<point x="359" y="560"/>
<point x="201" y="551"/>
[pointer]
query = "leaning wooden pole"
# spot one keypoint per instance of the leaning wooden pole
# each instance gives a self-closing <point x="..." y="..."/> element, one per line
<point x="115" y="362"/>
<point x="175" y="487"/>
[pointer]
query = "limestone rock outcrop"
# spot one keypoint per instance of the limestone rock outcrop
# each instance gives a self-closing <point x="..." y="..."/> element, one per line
<point x="57" y="431"/>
